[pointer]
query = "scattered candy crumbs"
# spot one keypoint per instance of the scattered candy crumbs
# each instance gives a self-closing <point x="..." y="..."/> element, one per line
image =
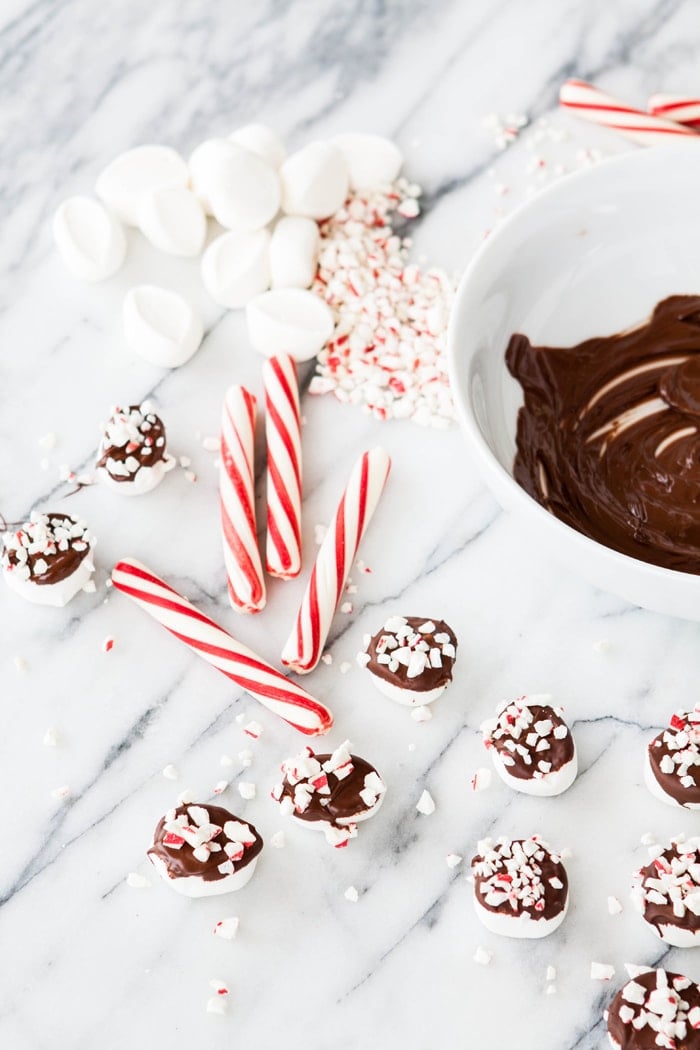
<point x="136" y="881"/>
<point x="277" y="840"/>
<point x="21" y="664"/>
<point x="217" y="1003"/>
<point x="227" y="928"/>
<point x="351" y="894"/>
<point x="346" y="607"/>
<point x="225" y="760"/>
<point x="51" y="738"/>
<point x="170" y="772"/>
<point x="504" y="129"/>
<point x="345" y="667"/>
<point x="246" y="757"/>
<point x="421" y="714"/>
<point x="453" y="859"/>
<point x="107" y="645"/>
<point x="601" y="646"/>
<point x="190" y="475"/>
<point x="47" y="442"/>
<point x="185" y="797"/>
<point x="647" y="839"/>
<point x="253" y="729"/>
<point x="482" y="957"/>
<point x="551" y="989"/>
<point x="240" y="718"/>
<point x="220" y="787"/>
<point x="633" y="970"/>
<point x="387" y="351"/>
<point x="425" y="804"/>
<point x="551" y="974"/>
<point x="614" y="906"/>
<point x="246" y="790"/>
<point x="61" y="793"/>
<point x="602" y="971"/>
<point x="327" y="659"/>
<point x="481" y="780"/>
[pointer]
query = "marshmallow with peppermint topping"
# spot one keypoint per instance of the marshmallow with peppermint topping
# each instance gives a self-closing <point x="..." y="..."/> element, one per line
<point x="330" y="792"/>
<point x="411" y="659"/>
<point x="49" y="558"/>
<point x="672" y="761"/>
<point x="656" y="1008"/>
<point x="531" y="746"/>
<point x="520" y="887"/>
<point x="132" y="457"/>
<point x="667" y="892"/>
<point x="202" y="851"/>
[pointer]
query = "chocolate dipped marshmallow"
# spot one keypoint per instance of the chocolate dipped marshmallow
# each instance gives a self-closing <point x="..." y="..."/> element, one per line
<point x="672" y="766"/>
<point x="201" y="850"/>
<point x="132" y="457"/>
<point x="667" y="892"/>
<point x="330" y="792"/>
<point x="49" y="558"/>
<point x="410" y="659"/>
<point x="531" y="746"/>
<point x="520" y="887"/>
<point x="655" y="1009"/>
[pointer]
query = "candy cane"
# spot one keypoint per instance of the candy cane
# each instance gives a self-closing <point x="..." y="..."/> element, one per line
<point x="683" y="109"/>
<point x="246" y="587"/>
<point x="283" y="433"/>
<point x="303" y="648"/>
<point x="590" y="103"/>
<point x="217" y="647"/>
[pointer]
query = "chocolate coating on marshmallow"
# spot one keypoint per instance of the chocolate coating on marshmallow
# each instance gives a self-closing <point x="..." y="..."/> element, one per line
<point x="655" y="1009"/>
<point x="531" y="740"/>
<point x="674" y="759"/>
<point x="49" y="558"/>
<point x="520" y="879"/>
<point x="133" y="439"/>
<point x="667" y="892"/>
<point x="332" y="791"/>
<point x="412" y="653"/>
<point x="205" y="842"/>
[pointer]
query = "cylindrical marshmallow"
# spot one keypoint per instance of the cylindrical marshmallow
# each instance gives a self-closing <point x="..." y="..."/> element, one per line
<point x="236" y="268"/>
<point x="294" y="252"/>
<point x="373" y="161"/>
<point x="173" y="220"/>
<point x="89" y="239"/>
<point x="123" y="184"/>
<point x="241" y="190"/>
<point x="410" y="659"/>
<point x="161" y="326"/>
<point x="260" y="139"/>
<point x="289" y="321"/>
<point x="314" y="181"/>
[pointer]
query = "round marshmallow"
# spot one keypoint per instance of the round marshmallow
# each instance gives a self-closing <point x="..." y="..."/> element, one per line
<point x="123" y="184"/>
<point x="89" y="239"/>
<point x="655" y="1008"/>
<point x="236" y="267"/>
<point x="289" y="320"/>
<point x="531" y="746"/>
<point x="160" y="325"/>
<point x="261" y="140"/>
<point x="373" y="161"/>
<point x="132" y="458"/>
<point x="410" y="658"/>
<point x="658" y="792"/>
<point x="239" y="188"/>
<point x="49" y="559"/>
<point x="520" y="927"/>
<point x="173" y="220"/>
<point x="407" y="697"/>
<point x="314" y="181"/>
<point x="54" y="594"/>
<point x="193" y="886"/>
<point x="294" y="252"/>
<point x="550" y="784"/>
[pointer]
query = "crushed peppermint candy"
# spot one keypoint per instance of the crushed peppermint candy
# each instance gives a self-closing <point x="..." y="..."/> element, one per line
<point x="170" y="772"/>
<point x="482" y="957"/>
<point x="31" y="551"/>
<point x="51" y="738"/>
<point x="481" y="780"/>
<point x="529" y="736"/>
<point x="425" y="804"/>
<point x="132" y="438"/>
<point x="602" y="971"/>
<point x="277" y="841"/>
<point x="657" y="1008"/>
<point x="223" y="846"/>
<point x="107" y="645"/>
<point x="667" y="891"/>
<point x="614" y="906"/>
<point x="21" y="665"/>
<point x="388" y="350"/>
<point x="521" y="877"/>
<point x="419" y="653"/>
<point x="227" y="928"/>
<point x="453" y="859"/>
<point x="253" y="729"/>
<point x="675" y="753"/>
<point x="351" y="895"/>
<point x="551" y="973"/>
<point x="421" y="714"/>
<point x="220" y="787"/>
<point x="245" y="757"/>
<point x="61" y="793"/>
<point x="246" y="790"/>
<point x="136" y="881"/>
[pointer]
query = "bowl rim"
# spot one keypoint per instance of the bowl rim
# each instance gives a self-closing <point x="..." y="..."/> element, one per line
<point x="487" y="461"/>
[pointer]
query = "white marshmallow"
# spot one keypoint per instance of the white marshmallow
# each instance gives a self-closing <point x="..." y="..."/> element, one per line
<point x="372" y="160"/>
<point x="195" y="886"/>
<point x="239" y="188"/>
<point x="407" y="697"/>
<point x="236" y="267"/>
<point x="657" y="790"/>
<point x="144" y="480"/>
<point x="363" y="814"/>
<point x="173" y="220"/>
<point x="56" y="594"/>
<point x="314" y="181"/>
<point x="160" y="325"/>
<point x="519" y="926"/>
<point x="294" y="252"/>
<point x="556" y="782"/>
<point x="123" y="183"/>
<point x="289" y="320"/>
<point x="675" y="935"/>
<point x="89" y="239"/>
<point x="263" y="141"/>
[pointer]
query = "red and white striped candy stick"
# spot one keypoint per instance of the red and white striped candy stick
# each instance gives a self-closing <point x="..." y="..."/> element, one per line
<point x="283" y="433"/>
<point x="304" y="646"/>
<point x="590" y="103"/>
<point x="684" y="109"/>
<point x="246" y="587"/>
<point x="217" y="647"/>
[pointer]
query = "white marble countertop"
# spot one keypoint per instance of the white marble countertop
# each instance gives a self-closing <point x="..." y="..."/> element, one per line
<point x="90" y="962"/>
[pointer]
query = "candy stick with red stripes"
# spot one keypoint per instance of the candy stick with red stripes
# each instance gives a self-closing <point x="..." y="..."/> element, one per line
<point x="218" y="648"/>
<point x="589" y="103"/>
<point x="283" y="433"/>
<point x="304" y="646"/>
<point x="246" y="586"/>
<point x="683" y="109"/>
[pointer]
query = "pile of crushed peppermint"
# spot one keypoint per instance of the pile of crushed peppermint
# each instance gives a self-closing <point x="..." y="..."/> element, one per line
<point x="510" y="872"/>
<point x="29" y="550"/>
<point x="388" y="349"/>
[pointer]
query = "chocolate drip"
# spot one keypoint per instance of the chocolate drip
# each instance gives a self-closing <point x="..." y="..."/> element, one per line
<point x="430" y="677"/>
<point x="644" y="1037"/>
<point x="147" y="448"/>
<point x="660" y="914"/>
<point x="60" y="563"/>
<point x="631" y="482"/>
<point x="559" y="753"/>
<point x="182" y="863"/>
<point x="552" y="900"/>
<point x="344" y="802"/>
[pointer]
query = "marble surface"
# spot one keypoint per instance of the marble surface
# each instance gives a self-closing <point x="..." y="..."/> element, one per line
<point x="89" y="961"/>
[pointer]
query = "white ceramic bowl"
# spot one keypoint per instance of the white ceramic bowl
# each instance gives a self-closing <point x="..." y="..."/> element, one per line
<point x="589" y="256"/>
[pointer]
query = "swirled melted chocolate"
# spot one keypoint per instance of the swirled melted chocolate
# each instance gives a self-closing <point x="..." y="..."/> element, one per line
<point x="608" y="437"/>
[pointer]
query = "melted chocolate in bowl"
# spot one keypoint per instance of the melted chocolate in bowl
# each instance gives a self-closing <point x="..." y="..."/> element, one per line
<point x="608" y="438"/>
